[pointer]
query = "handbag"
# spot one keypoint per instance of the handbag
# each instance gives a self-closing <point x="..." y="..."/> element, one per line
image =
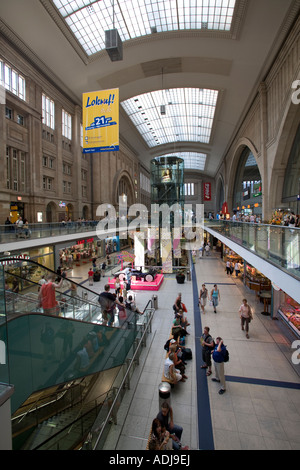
<point x="250" y="314"/>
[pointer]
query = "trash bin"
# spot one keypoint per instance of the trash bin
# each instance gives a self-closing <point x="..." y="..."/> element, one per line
<point x="188" y="275"/>
<point x="164" y="392"/>
<point x="154" y="302"/>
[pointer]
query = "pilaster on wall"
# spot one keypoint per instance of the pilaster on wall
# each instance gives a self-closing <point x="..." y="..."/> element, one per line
<point x="264" y="169"/>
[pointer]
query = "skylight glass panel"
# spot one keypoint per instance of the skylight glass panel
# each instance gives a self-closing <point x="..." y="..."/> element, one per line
<point x="189" y="114"/>
<point x="192" y="160"/>
<point x="88" y="20"/>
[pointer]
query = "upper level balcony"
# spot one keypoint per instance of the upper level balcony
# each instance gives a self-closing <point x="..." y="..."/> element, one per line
<point x="274" y="250"/>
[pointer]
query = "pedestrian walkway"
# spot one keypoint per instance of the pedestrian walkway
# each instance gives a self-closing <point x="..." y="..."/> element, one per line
<point x="261" y="406"/>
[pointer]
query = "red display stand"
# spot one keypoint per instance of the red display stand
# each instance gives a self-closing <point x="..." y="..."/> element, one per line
<point x="141" y="285"/>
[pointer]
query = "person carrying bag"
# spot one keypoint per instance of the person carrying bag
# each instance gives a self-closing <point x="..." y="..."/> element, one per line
<point x="246" y="316"/>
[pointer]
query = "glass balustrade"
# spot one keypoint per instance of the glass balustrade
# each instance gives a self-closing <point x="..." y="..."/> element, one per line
<point x="10" y="233"/>
<point x="278" y="245"/>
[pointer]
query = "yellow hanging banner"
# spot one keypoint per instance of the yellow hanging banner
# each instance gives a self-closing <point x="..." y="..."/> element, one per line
<point x="100" y="121"/>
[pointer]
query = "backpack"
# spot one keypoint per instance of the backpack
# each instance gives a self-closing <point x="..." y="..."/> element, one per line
<point x="226" y="355"/>
<point x="188" y="354"/>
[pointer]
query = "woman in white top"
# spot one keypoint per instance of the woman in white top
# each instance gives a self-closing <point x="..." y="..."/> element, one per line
<point x="237" y="268"/>
<point x="246" y="316"/>
<point x="169" y="370"/>
<point x="117" y="286"/>
<point x="228" y="267"/>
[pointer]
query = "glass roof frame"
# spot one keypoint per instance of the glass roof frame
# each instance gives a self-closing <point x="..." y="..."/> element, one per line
<point x="189" y="115"/>
<point x="192" y="160"/>
<point x="89" y="19"/>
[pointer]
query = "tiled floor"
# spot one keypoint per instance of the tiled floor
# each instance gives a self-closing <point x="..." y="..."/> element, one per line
<point x="261" y="407"/>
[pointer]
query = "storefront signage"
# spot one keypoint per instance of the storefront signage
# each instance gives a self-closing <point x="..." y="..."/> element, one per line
<point x="207" y="191"/>
<point x="62" y="204"/>
<point x="82" y="242"/>
<point x="13" y="261"/>
<point x="100" y="121"/>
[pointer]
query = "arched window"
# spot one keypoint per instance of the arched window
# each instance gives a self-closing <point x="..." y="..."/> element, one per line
<point x="124" y="189"/>
<point x="247" y="195"/>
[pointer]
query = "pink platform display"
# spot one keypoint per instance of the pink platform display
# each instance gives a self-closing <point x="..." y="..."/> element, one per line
<point x="141" y="285"/>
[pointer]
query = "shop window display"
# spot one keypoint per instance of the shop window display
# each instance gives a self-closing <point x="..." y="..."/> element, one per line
<point x="289" y="312"/>
<point x="255" y="280"/>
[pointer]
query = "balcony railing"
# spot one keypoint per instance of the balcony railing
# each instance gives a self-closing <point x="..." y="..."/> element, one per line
<point x="278" y="245"/>
<point x="11" y="233"/>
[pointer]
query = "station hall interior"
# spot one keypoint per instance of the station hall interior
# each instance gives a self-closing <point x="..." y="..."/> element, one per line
<point x="207" y="114"/>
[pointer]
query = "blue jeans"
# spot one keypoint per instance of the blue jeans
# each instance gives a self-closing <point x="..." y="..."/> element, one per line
<point x="177" y="430"/>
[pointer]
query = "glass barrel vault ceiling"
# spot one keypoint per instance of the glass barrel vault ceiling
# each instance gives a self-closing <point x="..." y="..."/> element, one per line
<point x="189" y="114"/>
<point x="134" y="18"/>
<point x="192" y="160"/>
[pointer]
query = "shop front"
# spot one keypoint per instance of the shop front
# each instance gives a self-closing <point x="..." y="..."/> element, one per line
<point x="27" y="272"/>
<point x="255" y="280"/>
<point x="78" y="252"/>
<point x="287" y="310"/>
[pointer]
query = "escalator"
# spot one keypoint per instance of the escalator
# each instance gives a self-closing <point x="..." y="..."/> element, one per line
<point x="46" y="353"/>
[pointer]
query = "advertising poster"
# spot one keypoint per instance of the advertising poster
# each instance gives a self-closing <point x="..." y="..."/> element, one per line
<point x="207" y="192"/>
<point x="100" y="121"/>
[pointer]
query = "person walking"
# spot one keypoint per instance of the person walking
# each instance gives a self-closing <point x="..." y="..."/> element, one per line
<point x="218" y="357"/>
<point x="228" y="267"/>
<point x="207" y="249"/>
<point x="207" y="344"/>
<point x="203" y="297"/>
<point x="215" y="297"/>
<point x="237" y="269"/>
<point x="246" y="316"/>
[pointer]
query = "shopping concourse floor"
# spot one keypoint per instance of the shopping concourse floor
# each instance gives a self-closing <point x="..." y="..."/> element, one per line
<point x="261" y="406"/>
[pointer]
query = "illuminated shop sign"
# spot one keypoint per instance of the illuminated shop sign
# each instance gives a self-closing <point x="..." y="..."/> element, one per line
<point x="5" y="262"/>
<point x="82" y="242"/>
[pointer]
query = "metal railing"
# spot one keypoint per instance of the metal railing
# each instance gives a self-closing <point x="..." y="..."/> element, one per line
<point x="98" y="434"/>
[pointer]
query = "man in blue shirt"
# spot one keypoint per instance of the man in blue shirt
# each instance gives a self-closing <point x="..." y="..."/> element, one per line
<point x="218" y="357"/>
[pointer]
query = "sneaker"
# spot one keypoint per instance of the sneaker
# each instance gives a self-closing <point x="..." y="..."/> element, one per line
<point x="215" y="380"/>
<point x="222" y="391"/>
<point x="185" y="448"/>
